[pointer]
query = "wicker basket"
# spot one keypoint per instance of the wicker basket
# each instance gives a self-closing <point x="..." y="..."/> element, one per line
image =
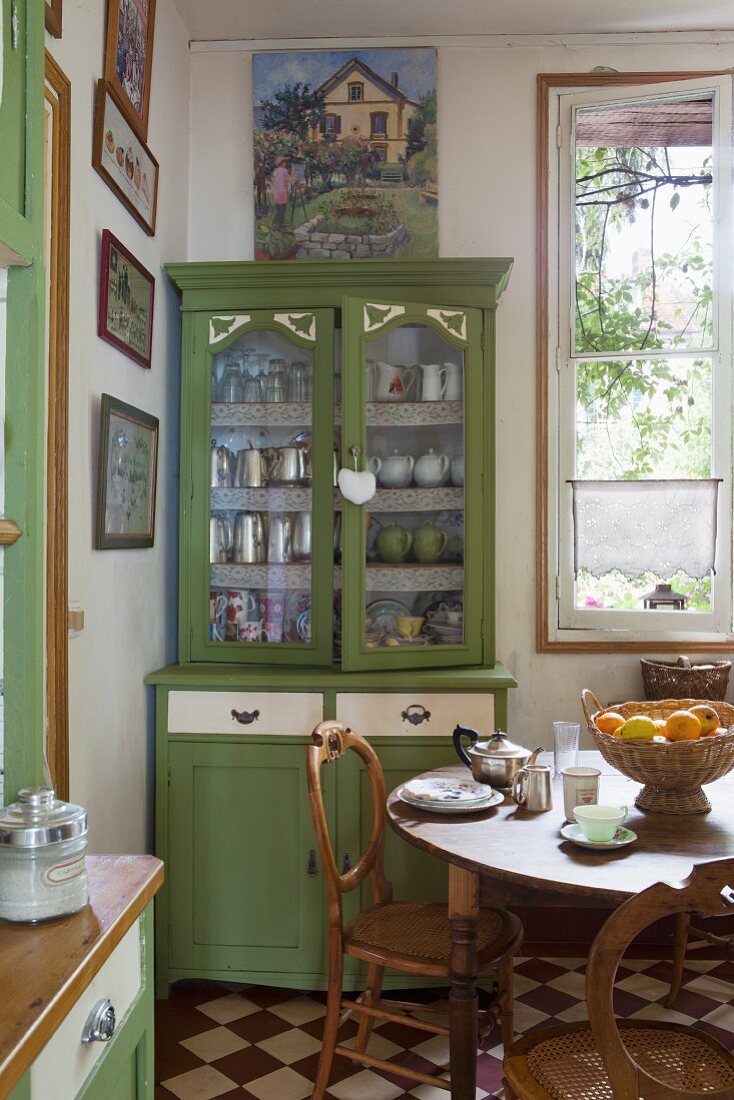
<point x="673" y="774"/>
<point x="682" y="680"/>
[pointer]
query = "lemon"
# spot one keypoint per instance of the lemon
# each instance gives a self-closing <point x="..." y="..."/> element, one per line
<point x="639" y="728"/>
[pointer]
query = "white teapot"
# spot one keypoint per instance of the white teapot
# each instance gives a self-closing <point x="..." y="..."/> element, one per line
<point x="393" y="472"/>
<point x="431" y="469"/>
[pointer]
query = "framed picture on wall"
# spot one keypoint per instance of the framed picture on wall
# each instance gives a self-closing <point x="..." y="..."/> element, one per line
<point x="123" y="160"/>
<point x="126" y="476"/>
<point x="129" y="55"/>
<point x="126" y="293"/>
<point x="53" y="16"/>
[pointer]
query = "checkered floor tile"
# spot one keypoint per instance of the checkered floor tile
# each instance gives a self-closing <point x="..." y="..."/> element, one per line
<point x="258" y="1043"/>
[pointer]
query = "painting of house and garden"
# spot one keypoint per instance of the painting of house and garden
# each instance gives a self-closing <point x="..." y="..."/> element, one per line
<point x="345" y="154"/>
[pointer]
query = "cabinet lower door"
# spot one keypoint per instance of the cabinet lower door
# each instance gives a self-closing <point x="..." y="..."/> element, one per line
<point x="245" y="894"/>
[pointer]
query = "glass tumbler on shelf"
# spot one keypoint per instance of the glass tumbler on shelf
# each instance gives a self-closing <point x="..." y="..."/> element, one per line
<point x="277" y="385"/>
<point x="300" y="381"/>
<point x="230" y="389"/>
<point x="565" y="745"/>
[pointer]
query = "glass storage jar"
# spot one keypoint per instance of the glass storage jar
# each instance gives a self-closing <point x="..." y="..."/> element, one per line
<point x="42" y="846"/>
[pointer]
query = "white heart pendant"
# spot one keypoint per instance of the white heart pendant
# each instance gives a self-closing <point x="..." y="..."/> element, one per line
<point x="356" y="486"/>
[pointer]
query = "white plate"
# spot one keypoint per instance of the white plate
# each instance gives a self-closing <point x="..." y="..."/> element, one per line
<point x="621" y="838"/>
<point x="443" y="630"/>
<point x="452" y="807"/>
<point x="382" y="615"/>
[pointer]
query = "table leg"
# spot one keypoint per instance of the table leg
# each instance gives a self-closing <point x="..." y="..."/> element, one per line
<point x="463" y="1032"/>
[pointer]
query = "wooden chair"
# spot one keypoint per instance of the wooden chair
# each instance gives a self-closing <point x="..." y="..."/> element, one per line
<point x="413" y="937"/>
<point x="605" y="1059"/>
<point x="684" y="930"/>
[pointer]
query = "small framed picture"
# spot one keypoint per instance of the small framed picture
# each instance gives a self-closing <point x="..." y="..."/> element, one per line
<point x="53" y="17"/>
<point x="126" y="476"/>
<point x="126" y="293"/>
<point x="123" y="160"/>
<point x="129" y="55"/>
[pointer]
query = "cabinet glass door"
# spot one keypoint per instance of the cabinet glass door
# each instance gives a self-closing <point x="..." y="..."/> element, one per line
<point x="269" y="487"/>
<point x="413" y="416"/>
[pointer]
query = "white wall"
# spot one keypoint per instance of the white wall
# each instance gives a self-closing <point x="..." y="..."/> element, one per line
<point x="487" y="162"/>
<point x="129" y="596"/>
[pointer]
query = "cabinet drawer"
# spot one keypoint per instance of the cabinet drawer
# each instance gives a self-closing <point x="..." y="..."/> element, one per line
<point x="392" y="714"/>
<point x="290" y="713"/>
<point x="65" y="1062"/>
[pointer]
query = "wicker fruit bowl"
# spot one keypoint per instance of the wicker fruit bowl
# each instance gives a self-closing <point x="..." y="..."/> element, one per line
<point x="672" y="774"/>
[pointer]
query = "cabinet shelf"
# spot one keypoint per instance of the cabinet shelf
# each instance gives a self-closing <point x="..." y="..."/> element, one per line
<point x="400" y="414"/>
<point x="442" y="498"/>
<point x="263" y="413"/>
<point x="293" y="576"/>
<point x="414" y="578"/>
<point x="282" y="498"/>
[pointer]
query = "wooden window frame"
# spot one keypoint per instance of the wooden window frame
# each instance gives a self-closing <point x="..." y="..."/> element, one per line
<point x="355" y="84"/>
<point x="58" y="95"/>
<point x="378" y="133"/>
<point x="545" y="641"/>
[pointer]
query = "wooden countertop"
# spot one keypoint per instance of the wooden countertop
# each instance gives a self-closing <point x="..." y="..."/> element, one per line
<point x="45" y="967"/>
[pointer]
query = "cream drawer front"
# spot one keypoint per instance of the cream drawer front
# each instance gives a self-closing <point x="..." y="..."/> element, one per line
<point x="388" y="714"/>
<point x="65" y="1062"/>
<point x="292" y="713"/>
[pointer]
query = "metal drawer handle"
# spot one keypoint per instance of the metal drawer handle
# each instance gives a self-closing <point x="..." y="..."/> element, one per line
<point x="100" y="1025"/>
<point x="415" y="714"/>
<point x="245" y="717"/>
<point x="347" y="864"/>
<point x="727" y="895"/>
<point x="311" y="869"/>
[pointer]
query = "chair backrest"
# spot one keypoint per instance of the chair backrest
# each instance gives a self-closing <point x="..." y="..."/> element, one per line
<point x="330" y="742"/>
<point x="707" y="892"/>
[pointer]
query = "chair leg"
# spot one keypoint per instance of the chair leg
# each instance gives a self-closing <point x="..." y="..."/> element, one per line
<point x="507" y="1005"/>
<point x="372" y="993"/>
<point x="331" y="1025"/>
<point x="679" y="956"/>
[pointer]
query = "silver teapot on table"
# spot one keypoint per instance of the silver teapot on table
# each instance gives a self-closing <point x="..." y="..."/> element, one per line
<point x="496" y="761"/>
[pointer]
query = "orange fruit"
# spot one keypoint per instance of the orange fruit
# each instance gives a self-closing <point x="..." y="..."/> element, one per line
<point x="707" y="716"/>
<point x="609" y="721"/>
<point x="682" y="725"/>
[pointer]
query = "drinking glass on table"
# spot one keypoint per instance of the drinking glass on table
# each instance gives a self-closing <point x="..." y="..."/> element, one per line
<point x="565" y="746"/>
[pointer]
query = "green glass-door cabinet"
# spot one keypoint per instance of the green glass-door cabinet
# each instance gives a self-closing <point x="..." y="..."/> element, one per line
<point x="297" y="603"/>
<point x="385" y="370"/>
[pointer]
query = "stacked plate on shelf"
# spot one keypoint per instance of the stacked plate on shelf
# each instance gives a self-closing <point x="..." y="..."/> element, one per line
<point x="443" y="632"/>
<point x="449" y="796"/>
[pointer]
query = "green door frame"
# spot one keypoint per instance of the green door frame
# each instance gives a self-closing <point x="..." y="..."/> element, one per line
<point x="23" y="612"/>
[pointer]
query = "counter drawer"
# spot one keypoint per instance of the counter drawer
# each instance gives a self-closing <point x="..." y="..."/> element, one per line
<point x="65" y="1062"/>
<point x="393" y="714"/>
<point x="267" y="712"/>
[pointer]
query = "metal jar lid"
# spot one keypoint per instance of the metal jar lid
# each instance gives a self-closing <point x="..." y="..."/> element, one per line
<point x="499" y="747"/>
<point x="39" y="818"/>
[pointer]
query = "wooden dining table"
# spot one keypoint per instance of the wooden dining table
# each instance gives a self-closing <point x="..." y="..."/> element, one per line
<point x="524" y="857"/>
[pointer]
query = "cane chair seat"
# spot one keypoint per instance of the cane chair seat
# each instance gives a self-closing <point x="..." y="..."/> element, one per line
<point x="567" y="1065"/>
<point x="419" y="933"/>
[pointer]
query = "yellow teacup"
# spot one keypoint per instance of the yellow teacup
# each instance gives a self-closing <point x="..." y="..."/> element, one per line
<point x="409" y="626"/>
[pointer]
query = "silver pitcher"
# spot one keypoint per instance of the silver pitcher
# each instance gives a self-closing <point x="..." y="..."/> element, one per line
<point x="251" y="469"/>
<point x="532" y="788"/>
<point x="289" y="465"/>
<point x="221" y="467"/>
<point x="220" y="539"/>
<point x="249" y="537"/>
<point x="302" y="537"/>
<point x="279" y="538"/>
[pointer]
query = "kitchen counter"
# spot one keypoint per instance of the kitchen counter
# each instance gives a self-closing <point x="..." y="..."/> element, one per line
<point x="45" y="968"/>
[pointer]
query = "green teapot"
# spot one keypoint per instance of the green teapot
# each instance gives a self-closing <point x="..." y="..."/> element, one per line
<point x="429" y="543"/>
<point x="394" y="543"/>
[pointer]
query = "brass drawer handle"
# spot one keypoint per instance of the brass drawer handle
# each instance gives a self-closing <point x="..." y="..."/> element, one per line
<point x="245" y="717"/>
<point x="311" y="869"/>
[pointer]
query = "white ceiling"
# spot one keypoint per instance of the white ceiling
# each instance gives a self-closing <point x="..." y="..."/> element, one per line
<point x="213" y="20"/>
